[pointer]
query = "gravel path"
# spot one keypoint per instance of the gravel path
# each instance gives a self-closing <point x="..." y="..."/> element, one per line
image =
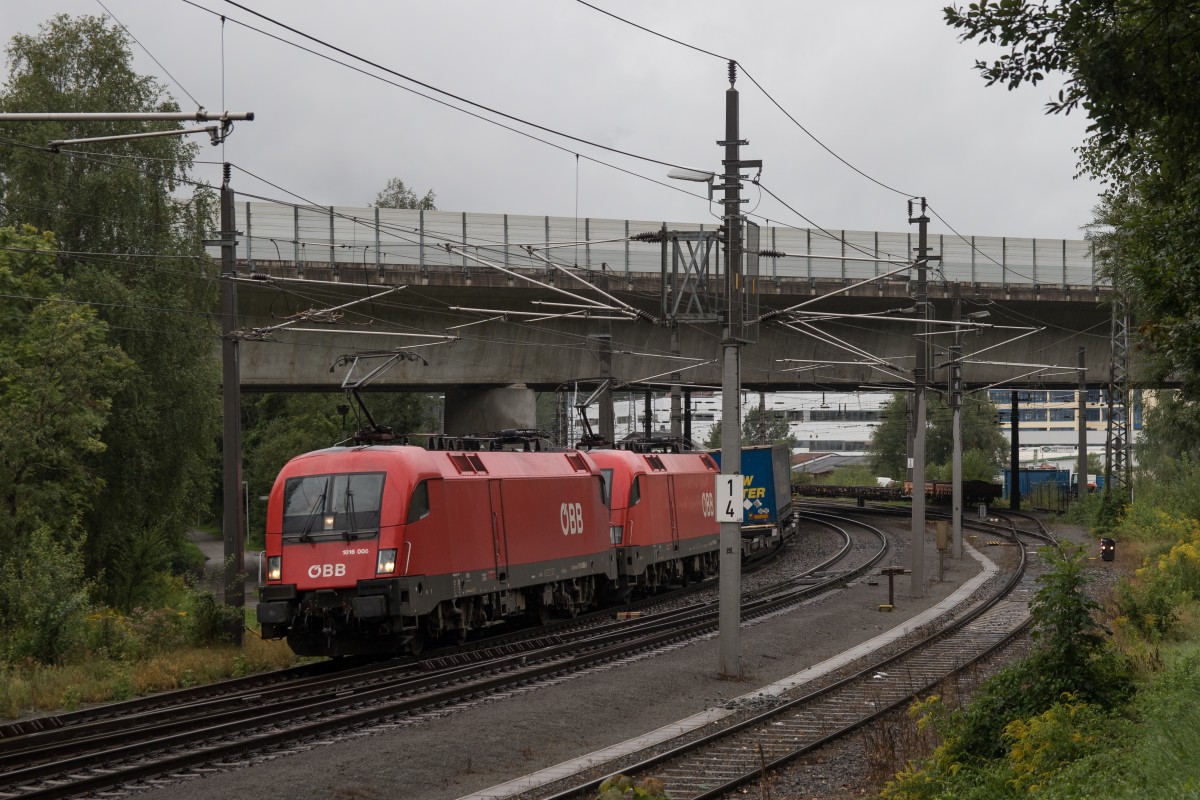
<point x="504" y="737"/>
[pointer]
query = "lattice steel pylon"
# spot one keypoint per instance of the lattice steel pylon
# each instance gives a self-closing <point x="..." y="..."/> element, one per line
<point x="1119" y="429"/>
<point x="691" y="290"/>
<point x="696" y="289"/>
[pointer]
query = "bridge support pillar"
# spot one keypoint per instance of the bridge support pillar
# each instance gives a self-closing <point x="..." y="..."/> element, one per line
<point x="482" y="410"/>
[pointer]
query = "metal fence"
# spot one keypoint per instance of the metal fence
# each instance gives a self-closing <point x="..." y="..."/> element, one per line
<point x="1054" y="497"/>
<point x="365" y="237"/>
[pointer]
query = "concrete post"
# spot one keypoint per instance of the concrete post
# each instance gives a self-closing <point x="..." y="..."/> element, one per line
<point x="1014" y="467"/>
<point x="730" y="594"/>
<point x="1081" y="424"/>
<point x="231" y="415"/>
<point x="920" y="379"/>
<point x="955" y="395"/>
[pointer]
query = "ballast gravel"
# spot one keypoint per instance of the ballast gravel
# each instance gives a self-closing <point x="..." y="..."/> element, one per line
<point x="501" y="738"/>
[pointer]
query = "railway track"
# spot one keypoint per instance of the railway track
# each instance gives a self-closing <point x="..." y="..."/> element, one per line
<point x="720" y="762"/>
<point x="203" y="734"/>
<point x="341" y="671"/>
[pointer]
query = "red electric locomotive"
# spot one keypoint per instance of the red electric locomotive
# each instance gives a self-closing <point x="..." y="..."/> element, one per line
<point x="664" y="519"/>
<point x="379" y="548"/>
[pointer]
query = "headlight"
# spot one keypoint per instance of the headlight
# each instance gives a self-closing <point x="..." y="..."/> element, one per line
<point x="274" y="568"/>
<point x="386" y="565"/>
<point x="615" y="532"/>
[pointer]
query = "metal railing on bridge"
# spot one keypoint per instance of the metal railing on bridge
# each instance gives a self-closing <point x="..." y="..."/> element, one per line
<point x="336" y="236"/>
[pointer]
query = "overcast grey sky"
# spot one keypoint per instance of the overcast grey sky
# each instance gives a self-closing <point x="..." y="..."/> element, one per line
<point x="884" y="84"/>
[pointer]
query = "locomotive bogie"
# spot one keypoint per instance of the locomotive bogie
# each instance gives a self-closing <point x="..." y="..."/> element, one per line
<point x="339" y="623"/>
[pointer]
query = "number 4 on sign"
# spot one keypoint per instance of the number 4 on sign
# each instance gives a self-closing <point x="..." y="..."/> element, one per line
<point x="729" y="498"/>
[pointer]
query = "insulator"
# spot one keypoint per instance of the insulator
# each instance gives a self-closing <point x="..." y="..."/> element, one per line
<point x="647" y="236"/>
<point x="771" y="253"/>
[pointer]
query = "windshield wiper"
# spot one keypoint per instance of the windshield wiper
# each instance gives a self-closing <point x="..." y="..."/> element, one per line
<point x="318" y="509"/>
<point x="352" y="533"/>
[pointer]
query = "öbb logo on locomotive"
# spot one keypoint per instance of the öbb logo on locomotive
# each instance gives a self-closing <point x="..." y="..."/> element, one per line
<point x="570" y="516"/>
<point x="327" y="571"/>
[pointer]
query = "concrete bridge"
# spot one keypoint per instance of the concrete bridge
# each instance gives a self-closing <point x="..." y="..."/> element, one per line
<point x="478" y="311"/>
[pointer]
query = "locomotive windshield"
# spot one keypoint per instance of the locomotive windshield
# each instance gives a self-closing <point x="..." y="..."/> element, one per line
<point x="341" y="505"/>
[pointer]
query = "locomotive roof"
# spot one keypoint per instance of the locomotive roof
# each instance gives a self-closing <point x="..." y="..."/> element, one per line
<point x="446" y="463"/>
<point x="655" y="462"/>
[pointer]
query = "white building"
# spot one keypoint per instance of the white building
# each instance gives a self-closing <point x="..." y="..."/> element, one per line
<point x="819" y="421"/>
<point x="843" y="422"/>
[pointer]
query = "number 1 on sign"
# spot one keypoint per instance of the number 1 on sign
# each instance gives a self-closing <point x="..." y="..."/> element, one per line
<point x="729" y="498"/>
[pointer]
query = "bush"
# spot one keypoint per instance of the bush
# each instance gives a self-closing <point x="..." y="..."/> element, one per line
<point x="1166" y="581"/>
<point x="619" y="787"/>
<point x="107" y="634"/>
<point x="1082" y="510"/>
<point x="1148" y="524"/>
<point x="1109" y="513"/>
<point x="209" y="621"/>
<point x="1173" y="485"/>
<point x="1072" y="646"/>
<point x="43" y="600"/>
<point x="1042" y="747"/>
<point x="158" y="630"/>
<point x="1150" y="608"/>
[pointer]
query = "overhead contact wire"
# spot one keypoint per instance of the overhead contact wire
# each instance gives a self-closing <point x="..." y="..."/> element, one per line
<point x="433" y="88"/>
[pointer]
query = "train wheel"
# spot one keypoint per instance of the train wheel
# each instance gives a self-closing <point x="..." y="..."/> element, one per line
<point x="416" y="645"/>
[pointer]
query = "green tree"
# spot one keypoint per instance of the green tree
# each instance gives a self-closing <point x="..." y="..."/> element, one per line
<point x="397" y="195"/>
<point x="57" y="379"/>
<point x="130" y="226"/>
<point x="777" y="431"/>
<point x="983" y="443"/>
<point x="1131" y="66"/>
<point x="889" y="440"/>
<point x="770" y="427"/>
<point x="1134" y="68"/>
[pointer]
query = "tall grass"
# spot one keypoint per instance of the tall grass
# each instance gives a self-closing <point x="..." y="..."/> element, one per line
<point x="30" y="688"/>
<point x="1161" y="761"/>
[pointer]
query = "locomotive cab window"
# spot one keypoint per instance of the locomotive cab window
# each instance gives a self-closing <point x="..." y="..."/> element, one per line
<point x="343" y="505"/>
<point x="635" y="491"/>
<point x="606" y="481"/>
<point x="418" y="506"/>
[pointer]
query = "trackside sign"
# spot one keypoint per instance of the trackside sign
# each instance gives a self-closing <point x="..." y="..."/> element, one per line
<point x="729" y="498"/>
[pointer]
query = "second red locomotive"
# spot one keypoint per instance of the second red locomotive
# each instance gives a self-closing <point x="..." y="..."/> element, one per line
<point x="663" y="512"/>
